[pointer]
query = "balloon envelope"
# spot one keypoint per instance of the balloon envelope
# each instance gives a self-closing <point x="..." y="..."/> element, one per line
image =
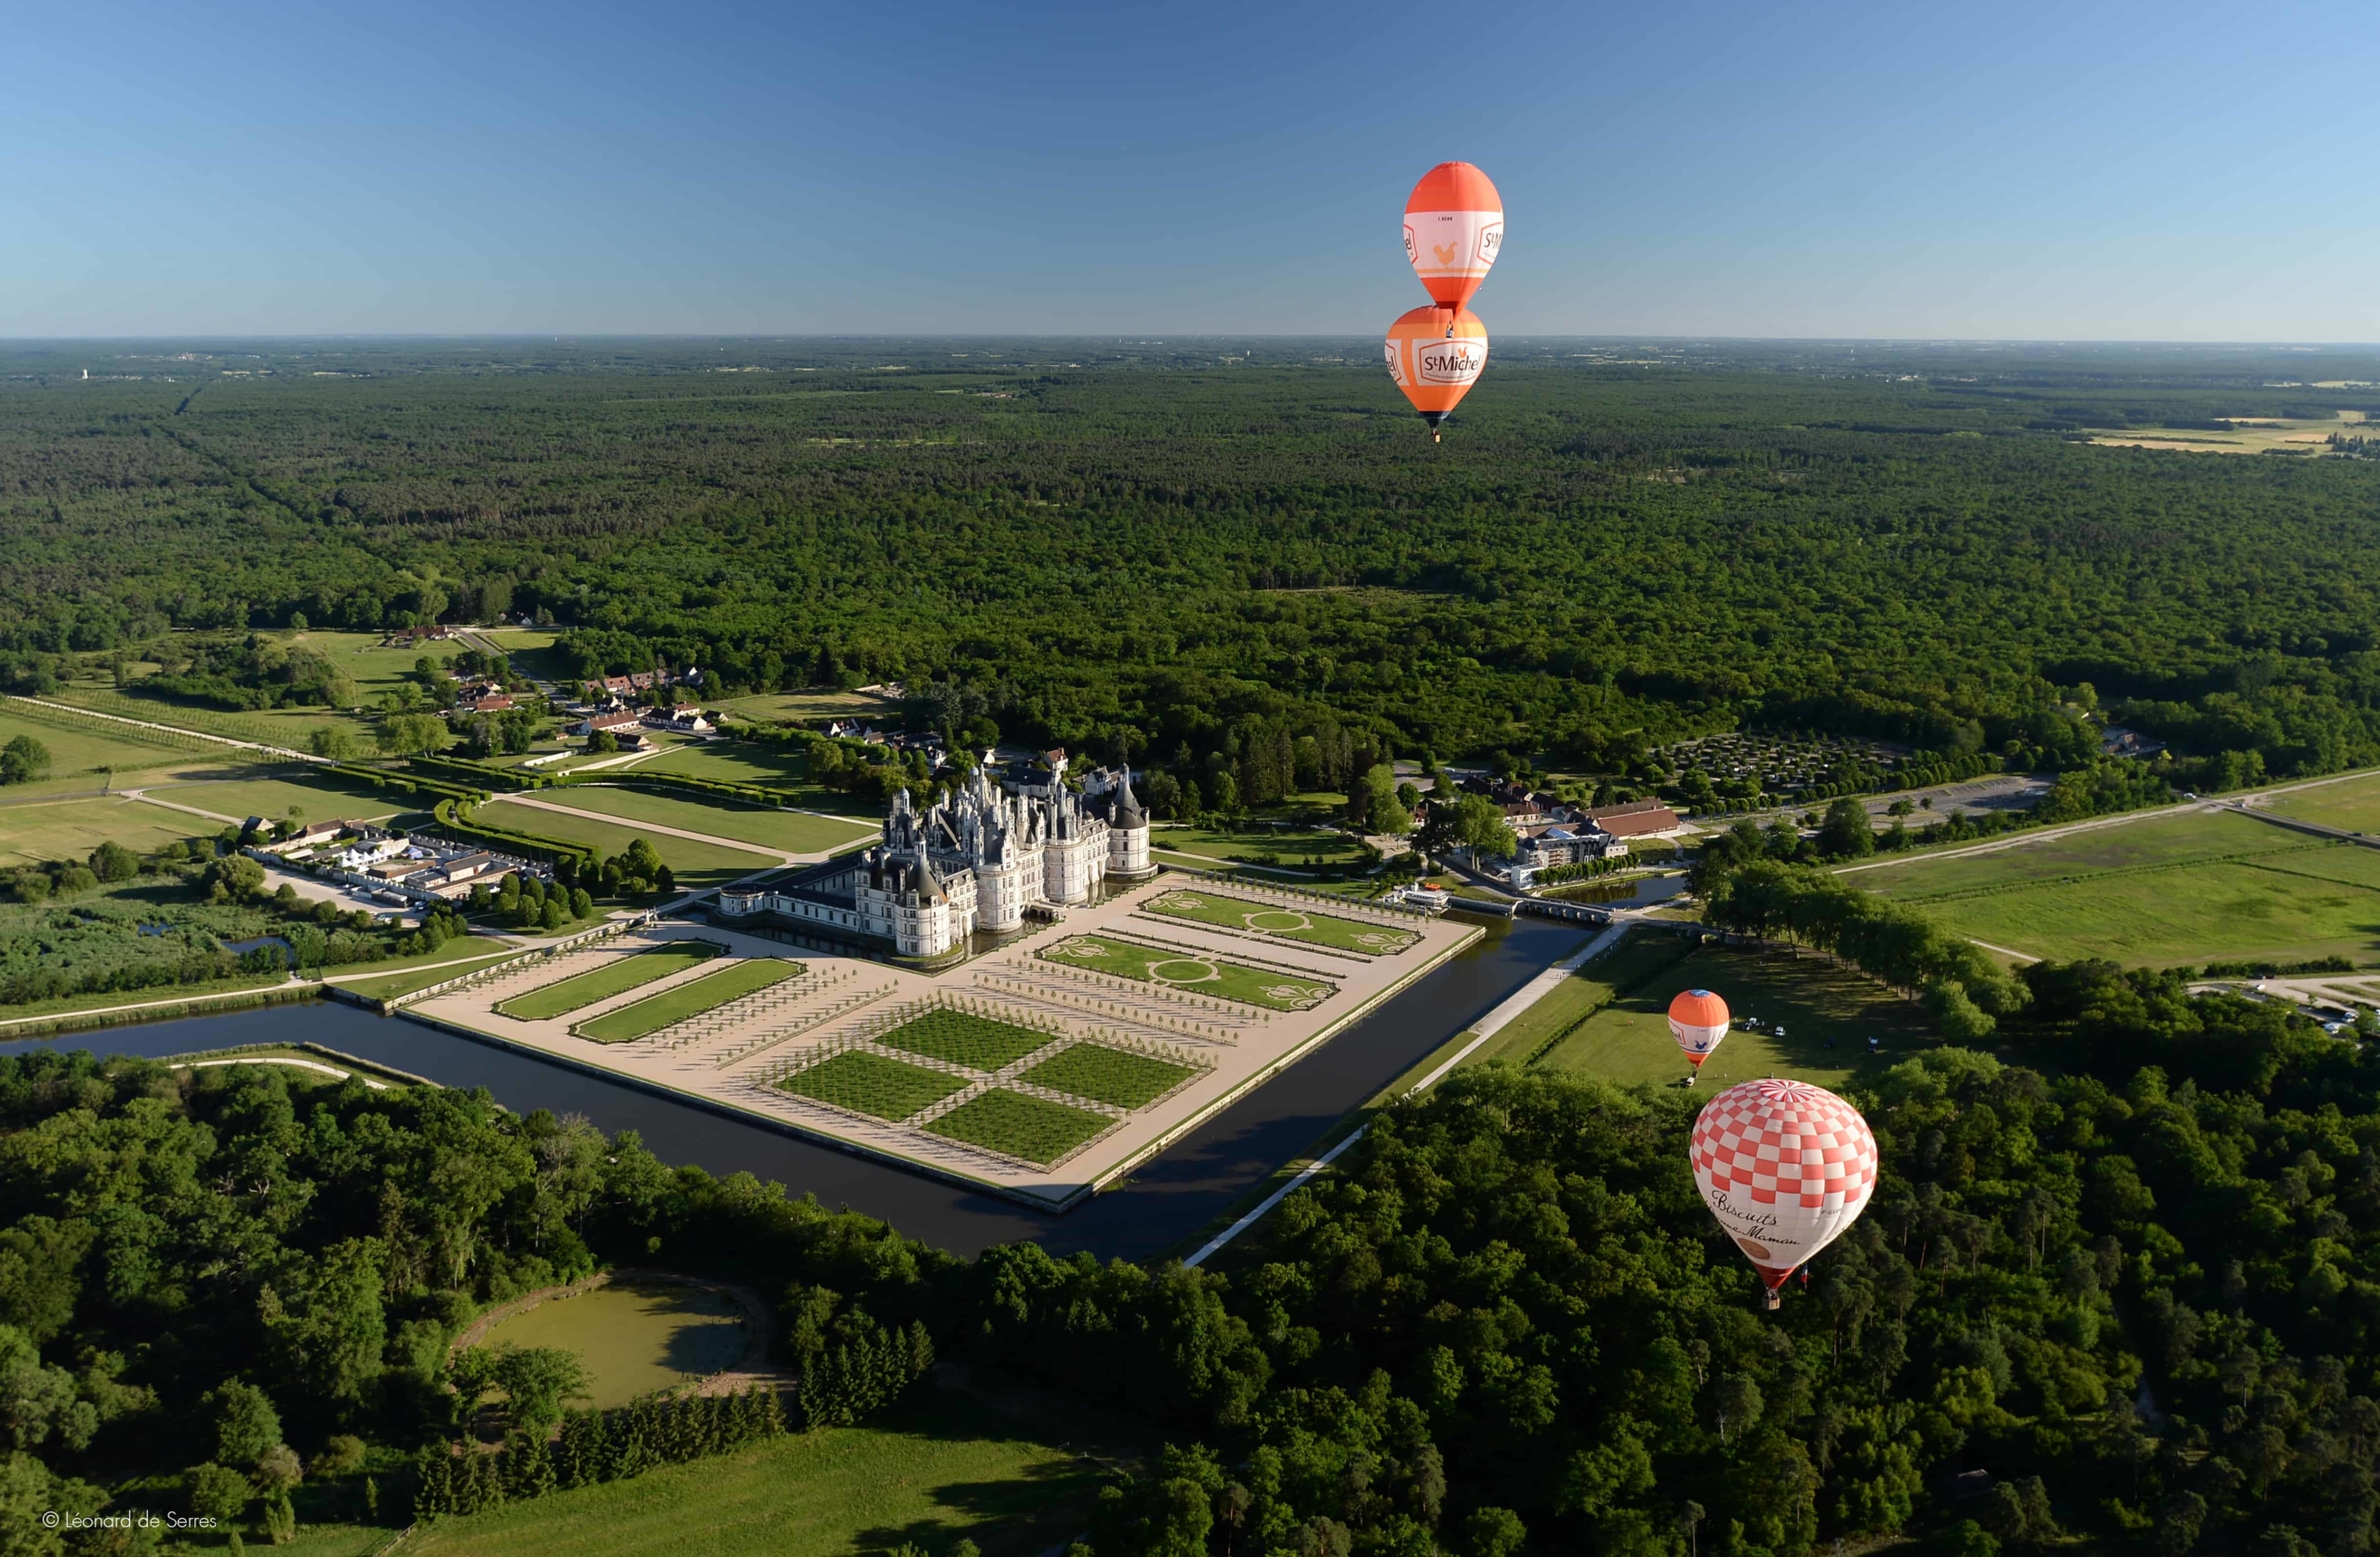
<point x="1436" y="355"/>
<point x="1697" y="1021"/>
<point x="1454" y="228"/>
<point x="1785" y="1168"/>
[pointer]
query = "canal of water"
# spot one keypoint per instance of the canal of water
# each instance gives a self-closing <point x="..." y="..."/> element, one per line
<point x="1170" y="1198"/>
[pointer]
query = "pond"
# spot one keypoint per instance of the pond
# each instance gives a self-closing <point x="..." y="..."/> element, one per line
<point x="634" y="1337"/>
<point x="1639" y="889"/>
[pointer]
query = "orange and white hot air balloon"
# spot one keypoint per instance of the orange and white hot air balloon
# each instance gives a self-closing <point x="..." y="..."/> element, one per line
<point x="1436" y="355"/>
<point x="1698" y="1022"/>
<point x="1785" y="1168"/>
<point x="1454" y="227"/>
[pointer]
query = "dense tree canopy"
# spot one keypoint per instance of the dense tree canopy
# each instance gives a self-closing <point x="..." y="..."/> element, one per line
<point x="1171" y="549"/>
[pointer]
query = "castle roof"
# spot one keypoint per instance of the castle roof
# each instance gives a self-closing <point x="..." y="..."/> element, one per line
<point x="1128" y="806"/>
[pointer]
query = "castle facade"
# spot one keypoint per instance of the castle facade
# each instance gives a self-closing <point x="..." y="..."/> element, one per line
<point x="982" y="857"/>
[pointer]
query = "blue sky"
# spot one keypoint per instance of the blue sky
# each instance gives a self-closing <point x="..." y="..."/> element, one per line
<point x="2004" y="170"/>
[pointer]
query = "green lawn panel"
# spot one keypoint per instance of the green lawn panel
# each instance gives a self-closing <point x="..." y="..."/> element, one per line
<point x="1115" y="1076"/>
<point x="600" y="982"/>
<point x="1032" y="1130"/>
<point x="742" y="977"/>
<point x="871" y="1084"/>
<point x="1272" y="918"/>
<point x="964" y="1039"/>
<point x="1202" y="974"/>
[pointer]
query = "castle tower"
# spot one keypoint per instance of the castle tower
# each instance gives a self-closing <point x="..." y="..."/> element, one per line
<point x="1128" y="832"/>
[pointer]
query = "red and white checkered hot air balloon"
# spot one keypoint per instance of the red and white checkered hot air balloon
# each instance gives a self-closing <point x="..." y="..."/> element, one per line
<point x="1786" y="1168"/>
<point x="1698" y="1022"/>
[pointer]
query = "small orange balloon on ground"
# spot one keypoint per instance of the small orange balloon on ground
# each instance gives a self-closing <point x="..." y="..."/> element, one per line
<point x="1436" y="355"/>
<point x="1454" y="228"/>
<point x="1698" y="1022"/>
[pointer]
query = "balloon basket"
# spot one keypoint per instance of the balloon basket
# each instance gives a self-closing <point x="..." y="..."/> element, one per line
<point x="1771" y="1300"/>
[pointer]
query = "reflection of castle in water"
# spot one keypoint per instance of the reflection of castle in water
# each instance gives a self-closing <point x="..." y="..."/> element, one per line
<point x="980" y="858"/>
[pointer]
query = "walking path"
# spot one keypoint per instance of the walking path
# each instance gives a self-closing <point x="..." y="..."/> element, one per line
<point x="281" y="1060"/>
<point x="146" y="798"/>
<point x="173" y="729"/>
<point x="743" y="845"/>
<point x="2243" y="804"/>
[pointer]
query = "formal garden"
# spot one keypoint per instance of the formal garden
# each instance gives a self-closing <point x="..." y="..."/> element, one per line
<point x="616" y="976"/>
<point x="1289" y="924"/>
<point x="1180" y="970"/>
<point x="1017" y="1125"/>
<point x="696" y="998"/>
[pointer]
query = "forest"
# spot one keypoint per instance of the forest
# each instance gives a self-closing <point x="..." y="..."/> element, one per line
<point x="1163" y="552"/>
<point x="2116" y="1286"/>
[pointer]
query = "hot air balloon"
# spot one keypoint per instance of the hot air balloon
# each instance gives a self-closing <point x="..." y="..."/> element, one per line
<point x="1436" y="355"/>
<point x="1698" y="1022"/>
<point x="1785" y="1168"/>
<point x="1454" y="225"/>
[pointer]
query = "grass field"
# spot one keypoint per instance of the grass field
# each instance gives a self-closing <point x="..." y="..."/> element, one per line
<point x="616" y="976"/>
<point x="79" y="747"/>
<point x="1115" y="1076"/>
<point x="695" y="864"/>
<point x="1108" y="953"/>
<point x="1031" y="1130"/>
<point x="382" y="986"/>
<point x="322" y="800"/>
<point x="472" y="947"/>
<point x="2350" y="803"/>
<point x="870" y="1084"/>
<point x="787" y="830"/>
<point x="71" y="829"/>
<point x="930" y="1471"/>
<point x="1628" y="1040"/>
<point x="291" y="728"/>
<point x="742" y="977"/>
<point x="964" y="1039"/>
<point x="1637" y="957"/>
<point x="634" y="1337"/>
<point x="2177" y="889"/>
<point x="800" y="708"/>
<point x="1289" y="924"/>
<point x="1292" y="847"/>
<point x="67" y="1005"/>
<point x="749" y="762"/>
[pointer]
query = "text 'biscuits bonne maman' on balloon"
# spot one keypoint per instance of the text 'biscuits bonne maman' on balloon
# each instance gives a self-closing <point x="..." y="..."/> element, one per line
<point x="1454" y="226"/>
<point x="1436" y="355"/>
<point x="1785" y="1168"/>
<point x="1698" y="1022"/>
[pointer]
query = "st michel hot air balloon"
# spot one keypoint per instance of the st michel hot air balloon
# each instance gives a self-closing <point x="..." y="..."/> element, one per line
<point x="1436" y="355"/>
<point x="1698" y="1022"/>
<point x="1454" y="226"/>
<point x="1785" y="1168"/>
<point x="1454" y="229"/>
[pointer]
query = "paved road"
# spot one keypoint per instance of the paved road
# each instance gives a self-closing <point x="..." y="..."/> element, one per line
<point x="2244" y="804"/>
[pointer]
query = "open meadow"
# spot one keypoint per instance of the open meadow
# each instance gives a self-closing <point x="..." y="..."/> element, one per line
<point x="37" y="830"/>
<point x="773" y="767"/>
<point x="2350" y="803"/>
<point x="929" y="1472"/>
<point x="1829" y="1013"/>
<point x="324" y="799"/>
<point x="791" y="831"/>
<point x="634" y="1337"/>
<point x="2177" y="889"/>
<point x="694" y="863"/>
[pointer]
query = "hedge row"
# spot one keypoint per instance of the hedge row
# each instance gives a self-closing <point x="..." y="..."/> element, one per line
<point x="593" y="1446"/>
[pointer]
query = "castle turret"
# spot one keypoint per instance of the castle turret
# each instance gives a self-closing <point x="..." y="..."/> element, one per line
<point x="1128" y="831"/>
